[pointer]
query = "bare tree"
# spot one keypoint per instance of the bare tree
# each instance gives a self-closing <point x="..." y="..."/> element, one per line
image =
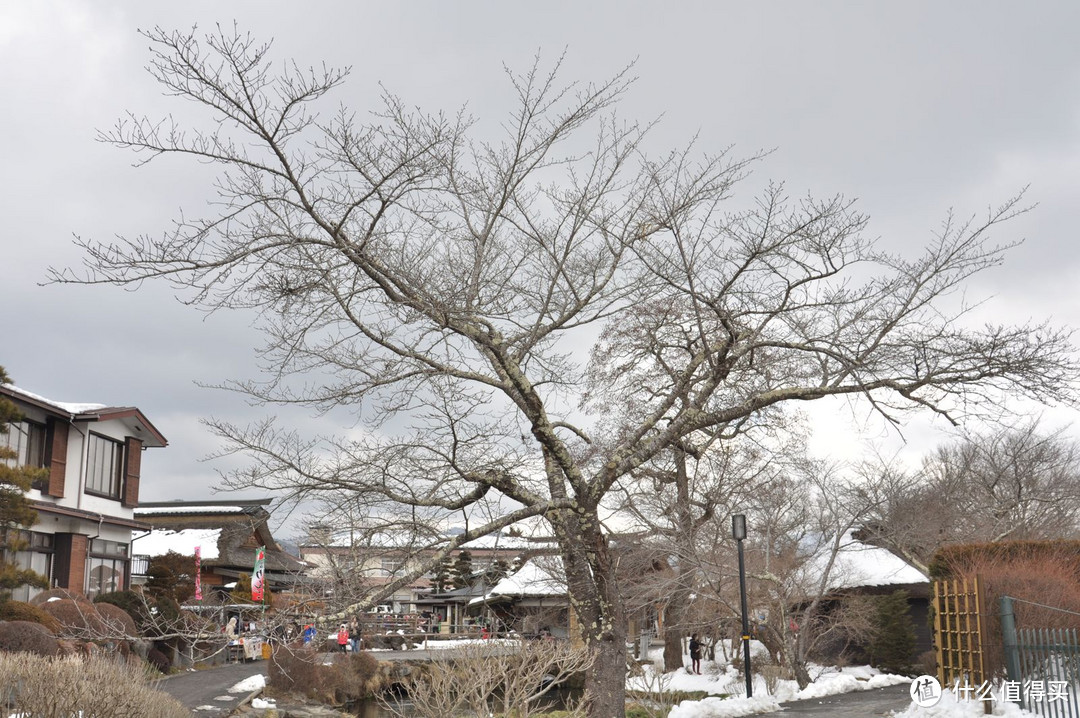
<point x="1015" y="482"/>
<point x="494" y="680"/>
<point x="683" y="499"/>
<point x="411" y="271"/>
<point x="796" y="567"/>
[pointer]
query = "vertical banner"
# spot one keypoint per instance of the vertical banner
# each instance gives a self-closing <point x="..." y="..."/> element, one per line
<point x="198" y="573"/>
<point x="257" y="575"/>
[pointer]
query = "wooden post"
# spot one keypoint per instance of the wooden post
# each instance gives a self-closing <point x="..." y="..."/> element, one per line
<point x="939" y="608"/>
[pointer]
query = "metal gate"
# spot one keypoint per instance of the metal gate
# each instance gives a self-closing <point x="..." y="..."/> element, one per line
<point x="1043" y="663"/>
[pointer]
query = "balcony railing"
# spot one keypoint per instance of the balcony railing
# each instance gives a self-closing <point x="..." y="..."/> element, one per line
<point x="140" y="565"/>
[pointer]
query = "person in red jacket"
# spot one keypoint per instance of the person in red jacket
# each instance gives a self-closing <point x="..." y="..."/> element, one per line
<point x="343" y="638"/>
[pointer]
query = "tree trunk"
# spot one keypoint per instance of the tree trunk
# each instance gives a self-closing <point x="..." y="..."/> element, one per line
<point x="594" y="596"/>
<point x="678" y="604"/>
<point x="605" y="682"/>
<point x="674" y="630"/>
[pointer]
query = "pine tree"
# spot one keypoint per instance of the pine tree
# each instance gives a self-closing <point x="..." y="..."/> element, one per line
<point x="241" y="593"/>
<point x="443" y="575"/>
<point x="462" y="573"/>
<point x="499" y="570"/>
<point x="172" y="575"/>
<point x="894" y="641"/>
<point x="15" y="509"/>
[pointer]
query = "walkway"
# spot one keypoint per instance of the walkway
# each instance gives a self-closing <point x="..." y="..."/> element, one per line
<point x="197" y="689"/>
<point x="861" y="704"/>
<point x="202" y="688"/>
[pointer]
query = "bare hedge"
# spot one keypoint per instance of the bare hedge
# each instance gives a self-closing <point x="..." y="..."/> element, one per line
<point x="27" y="637"/>
<point x="78" y="618"/>
<point x="96" y="686"/>
<point x="20" y="611"/>
<point x="116" y="619"/>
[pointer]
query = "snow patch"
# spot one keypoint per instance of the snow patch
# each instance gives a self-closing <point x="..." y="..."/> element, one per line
<point x="950" y="707"/>
<point x="724" y="707"/>
<point x="254" y="683"/>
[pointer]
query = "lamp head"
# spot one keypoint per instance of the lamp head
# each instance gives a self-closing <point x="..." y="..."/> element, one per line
<point x="738" y="526"/>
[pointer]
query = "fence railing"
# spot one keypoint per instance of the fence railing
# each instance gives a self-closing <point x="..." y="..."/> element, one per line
<point x="1044" y="664"/>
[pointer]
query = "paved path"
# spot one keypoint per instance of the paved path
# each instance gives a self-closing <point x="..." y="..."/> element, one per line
<point x="861" y="704"/>
<point x="201" y="688"/>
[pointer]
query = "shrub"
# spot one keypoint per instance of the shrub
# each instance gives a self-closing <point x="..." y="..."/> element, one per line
<point x="1039" y="573"/>
<point x="27" y="637"/>
<point x="77" y="618"/>
<point x="893" y="644"/>
<point x="152" y="615"/>
<point x="20" y="611"/>
<point x="352" y="677"/>
<point x="116" y="620"/>
<point x="296" y="669"/>
<point x="98" y="686"/>
<point x="158" y="660"/>
<point x="131" y="602"/>
<point x="45" y="596"/>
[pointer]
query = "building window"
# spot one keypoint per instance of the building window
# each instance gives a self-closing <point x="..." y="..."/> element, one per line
<point x="26" y="441"/>
<point x="35" y="552"/>
<point x="391" y="566"/>
<point x="104" y="462"/>
<point x="106" y="567"/>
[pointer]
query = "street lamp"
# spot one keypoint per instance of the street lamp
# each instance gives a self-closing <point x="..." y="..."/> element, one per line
<point x="738" y="530"/>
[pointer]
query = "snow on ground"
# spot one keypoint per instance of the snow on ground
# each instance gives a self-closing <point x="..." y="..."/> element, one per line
<point x="435" y="644"/>
<point x="950" y="707"/>
<point x="248" y="685"/>
<point x="720" y="679"/>
<point x="724" y="707"/>
<point x="459" y="642"/>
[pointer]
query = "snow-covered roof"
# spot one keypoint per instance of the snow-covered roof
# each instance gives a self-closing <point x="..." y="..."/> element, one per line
<point x="187" y="509"/>
<point x="93" y="412"/>
<point x="859" y="564"/>
<point x="540" y="576"/>
<point x="500" y="541"/>
<point x="160" y="541"/>
<point x="65" y="406"/>
<point x="403" y="540"/>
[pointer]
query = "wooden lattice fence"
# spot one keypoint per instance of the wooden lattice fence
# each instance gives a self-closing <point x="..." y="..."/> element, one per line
<point x="959" y="631"/>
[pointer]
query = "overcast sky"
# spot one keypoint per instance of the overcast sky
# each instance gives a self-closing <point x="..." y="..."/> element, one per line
<point x="912" y="108"/>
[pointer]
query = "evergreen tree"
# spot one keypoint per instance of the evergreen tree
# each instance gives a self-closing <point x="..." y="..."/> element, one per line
<point x="442" y="579"/>
<point x="893" y="644"/>
<point x="15" y="509"/>
<point x="462" y="573"/>
<point x="241" y="593"/>
<point x="499" y="570"/>
<point x="172" y="575"/>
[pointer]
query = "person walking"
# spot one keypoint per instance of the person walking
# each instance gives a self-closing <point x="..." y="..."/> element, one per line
<point x="695" y="654"/>
<point x="354" y="634"/>
<point x="343" y="638"/>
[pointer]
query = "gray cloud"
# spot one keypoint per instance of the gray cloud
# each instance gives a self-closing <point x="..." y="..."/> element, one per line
<point x="913" y="108"/>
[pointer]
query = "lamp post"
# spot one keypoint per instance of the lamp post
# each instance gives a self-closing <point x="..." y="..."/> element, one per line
<point x="738" y="530"/>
